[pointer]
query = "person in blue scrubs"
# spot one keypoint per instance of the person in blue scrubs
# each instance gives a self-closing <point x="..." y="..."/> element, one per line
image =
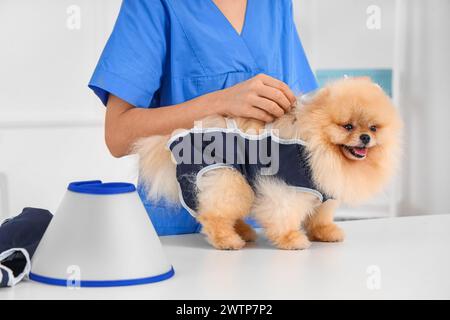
<point x="169" y="63"/>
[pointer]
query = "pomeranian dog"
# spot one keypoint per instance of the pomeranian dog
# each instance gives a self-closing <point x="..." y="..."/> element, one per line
<point x="339" y="145"/>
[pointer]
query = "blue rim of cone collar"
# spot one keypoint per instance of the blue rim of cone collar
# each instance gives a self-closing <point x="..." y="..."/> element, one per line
<point x="98" y="187"/>
<point x="103" y="283"/>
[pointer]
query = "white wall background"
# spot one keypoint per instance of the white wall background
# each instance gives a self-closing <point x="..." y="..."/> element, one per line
<point x="335" y="34"/>
<point x="425" y="102"/>
<point x="51" y="125"/>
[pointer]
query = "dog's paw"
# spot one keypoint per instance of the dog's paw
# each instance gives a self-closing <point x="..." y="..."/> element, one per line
<point x="294" y="240"/>
<point x="233" y="242"/>
<point x="245" y="231"/>
<point x="326" y="233"/>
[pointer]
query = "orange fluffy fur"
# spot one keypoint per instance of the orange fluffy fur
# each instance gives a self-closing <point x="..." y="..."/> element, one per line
<point x="225" y="198"/>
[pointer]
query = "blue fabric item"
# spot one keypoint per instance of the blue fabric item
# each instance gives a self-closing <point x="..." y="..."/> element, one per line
<point x="165" y="52"/>
<point x="4" y="278"/>
<point x="197" y="152"/>
<point x="22" y="232"/>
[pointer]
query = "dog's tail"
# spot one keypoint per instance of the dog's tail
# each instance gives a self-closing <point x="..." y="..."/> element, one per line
<point x="157" y="171"/>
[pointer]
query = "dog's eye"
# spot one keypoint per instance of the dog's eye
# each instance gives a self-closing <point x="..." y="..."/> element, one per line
<point x="373" y="128"/>
<point x="348" y="127"/>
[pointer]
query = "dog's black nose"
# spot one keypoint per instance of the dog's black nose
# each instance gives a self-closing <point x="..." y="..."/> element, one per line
<point x="365" y="138"/>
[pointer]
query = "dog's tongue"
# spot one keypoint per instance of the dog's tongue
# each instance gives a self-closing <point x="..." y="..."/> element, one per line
<point x="360" y="151"/>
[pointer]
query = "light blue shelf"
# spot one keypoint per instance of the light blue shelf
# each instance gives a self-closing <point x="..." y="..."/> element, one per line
<point x="383" y="77"/>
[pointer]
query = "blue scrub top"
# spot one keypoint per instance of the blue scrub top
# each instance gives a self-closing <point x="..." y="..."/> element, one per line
<point x="165" y="52"/>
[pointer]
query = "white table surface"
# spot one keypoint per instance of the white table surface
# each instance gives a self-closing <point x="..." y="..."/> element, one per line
<point x="402" y="258"/>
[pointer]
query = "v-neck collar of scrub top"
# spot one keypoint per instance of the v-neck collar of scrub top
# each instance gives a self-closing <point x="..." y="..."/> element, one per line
<point x="216" y="31"/>
<point x="227" y="21"/>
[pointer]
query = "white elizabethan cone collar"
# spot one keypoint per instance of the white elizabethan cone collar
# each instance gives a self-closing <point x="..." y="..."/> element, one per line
<point x="100" y="236"/>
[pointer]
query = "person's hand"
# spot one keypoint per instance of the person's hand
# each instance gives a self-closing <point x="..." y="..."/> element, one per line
<point x="261" y="97"/>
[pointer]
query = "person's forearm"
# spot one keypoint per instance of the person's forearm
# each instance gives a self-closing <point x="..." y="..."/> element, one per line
<point x="135" y="123"/>
<point x="262" y="98"/>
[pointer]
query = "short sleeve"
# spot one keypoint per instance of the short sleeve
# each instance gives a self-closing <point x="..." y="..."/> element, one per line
<point x="302" y="78"/>
<point x="132" y="62"/>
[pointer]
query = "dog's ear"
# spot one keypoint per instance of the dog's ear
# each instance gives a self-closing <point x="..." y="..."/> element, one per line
<point x="315" y="97"/>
